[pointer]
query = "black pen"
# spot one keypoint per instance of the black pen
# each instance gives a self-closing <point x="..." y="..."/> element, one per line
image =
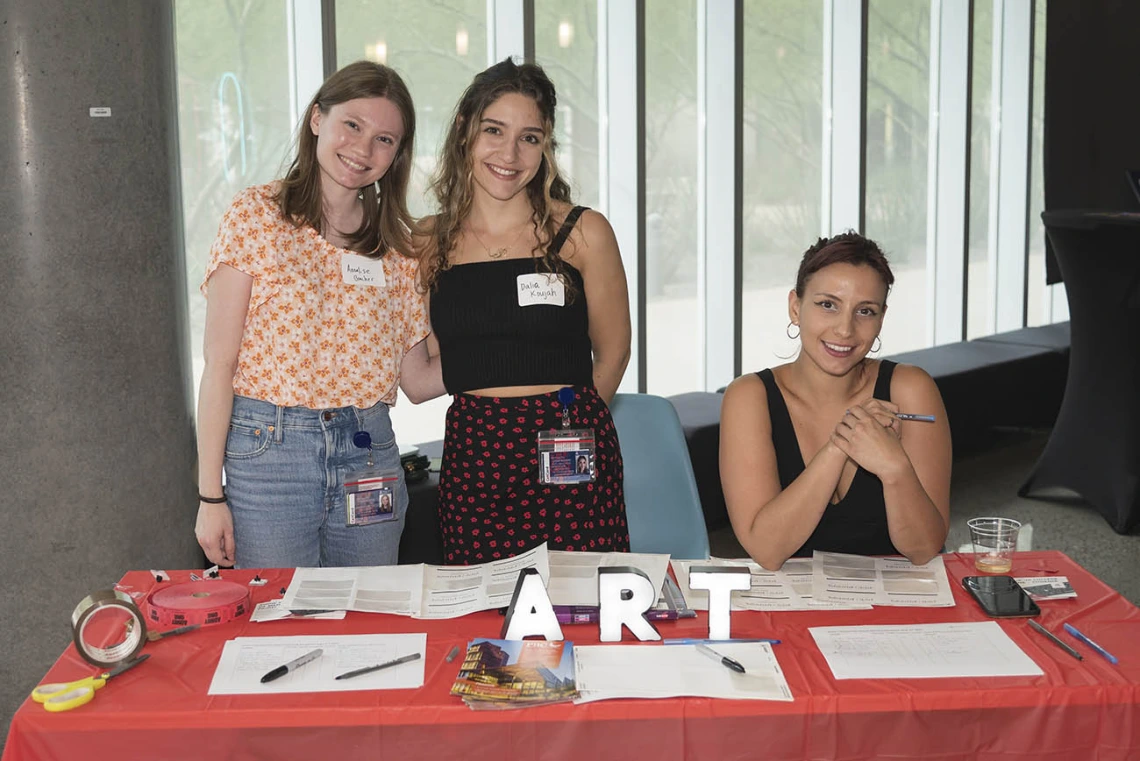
<point x="1055" y="640"/>
<point x="723" y="659"/>
<point x="281" y="671"/>
<point x="370" y="669"/>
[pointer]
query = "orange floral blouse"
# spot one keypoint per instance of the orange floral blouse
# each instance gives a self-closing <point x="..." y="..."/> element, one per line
<point x="310" y="339"/>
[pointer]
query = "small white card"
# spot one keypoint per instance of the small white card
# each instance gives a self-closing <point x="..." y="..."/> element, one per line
<point x="360" y="270"/>
<point x="541" y="288"/>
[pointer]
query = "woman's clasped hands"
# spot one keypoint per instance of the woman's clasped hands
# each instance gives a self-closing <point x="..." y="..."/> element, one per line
<point x="870" y="434"/>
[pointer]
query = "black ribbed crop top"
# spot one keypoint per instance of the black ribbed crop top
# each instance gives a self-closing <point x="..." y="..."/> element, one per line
<point x="486" y="339"/>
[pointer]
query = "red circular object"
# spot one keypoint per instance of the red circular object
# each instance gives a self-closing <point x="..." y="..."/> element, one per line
<point x="211" y="601"/>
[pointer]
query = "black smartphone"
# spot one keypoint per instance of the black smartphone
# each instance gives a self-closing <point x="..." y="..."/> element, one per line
<point x="1000" y="596"/>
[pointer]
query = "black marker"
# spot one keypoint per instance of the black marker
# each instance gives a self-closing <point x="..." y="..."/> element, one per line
<point x="281" y="671"/>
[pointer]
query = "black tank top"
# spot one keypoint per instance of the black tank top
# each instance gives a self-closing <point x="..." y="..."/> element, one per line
<point x="857" y="524"/>
<point x="486" y="339"/>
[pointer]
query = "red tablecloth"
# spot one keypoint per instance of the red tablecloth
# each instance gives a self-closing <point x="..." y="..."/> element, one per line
<point x="1088" y="709"/>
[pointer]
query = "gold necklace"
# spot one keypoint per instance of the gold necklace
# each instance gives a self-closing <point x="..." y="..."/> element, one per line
<point x="500" y="252"/>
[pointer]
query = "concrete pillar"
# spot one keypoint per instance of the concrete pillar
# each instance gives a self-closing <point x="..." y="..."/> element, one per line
<point x="97" y="450"/>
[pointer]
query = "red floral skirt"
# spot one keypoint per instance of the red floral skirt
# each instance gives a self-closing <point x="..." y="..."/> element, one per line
<point x="491" y="503"/>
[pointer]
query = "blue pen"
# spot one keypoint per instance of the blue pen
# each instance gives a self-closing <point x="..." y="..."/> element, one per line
<point x="913" y="416"/>
<point x="688" y="641"/>
<point x="1083" y="638"/>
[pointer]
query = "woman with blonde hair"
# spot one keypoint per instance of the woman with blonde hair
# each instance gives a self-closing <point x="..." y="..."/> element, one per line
<point x="312" y="321"/>
<point x="530" y="308"/>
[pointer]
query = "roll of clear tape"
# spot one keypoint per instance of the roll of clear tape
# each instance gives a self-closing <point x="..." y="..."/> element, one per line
<point x="108" y="628"/>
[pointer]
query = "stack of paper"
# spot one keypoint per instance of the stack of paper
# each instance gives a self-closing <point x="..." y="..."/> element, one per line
<point x="853" y="579"/>
<point x="574" y="575"/>
<point x="789" y="588"/>
<point x="420" y="591"/>
<point x="666" y="671"/>
<point x="498" y="673"/>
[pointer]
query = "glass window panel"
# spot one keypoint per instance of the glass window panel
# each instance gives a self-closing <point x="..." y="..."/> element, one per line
<point x="783" y="147"/>
<point x="234" y="126"/>
<point x="673" y="322"/>
<point x="898" y="104"/>
<point x="437" y="48"/>
<point x="979" y="306"/>
<point x="1045" y="303"/>
<point x="566" y="46"/>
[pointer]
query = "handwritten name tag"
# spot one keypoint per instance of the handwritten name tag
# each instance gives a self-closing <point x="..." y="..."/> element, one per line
<point x="360" y="270"/>
<point x="541" y="288"/>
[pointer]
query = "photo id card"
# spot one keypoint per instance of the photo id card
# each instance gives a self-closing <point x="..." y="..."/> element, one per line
<point x="370" y="497"/>
<point x="566" y="456"/>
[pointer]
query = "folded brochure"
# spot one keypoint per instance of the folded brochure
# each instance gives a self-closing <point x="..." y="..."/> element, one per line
<point x="499" y="673"/>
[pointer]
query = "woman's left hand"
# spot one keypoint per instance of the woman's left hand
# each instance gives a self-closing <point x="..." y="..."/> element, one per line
<point x="869" y="435"/>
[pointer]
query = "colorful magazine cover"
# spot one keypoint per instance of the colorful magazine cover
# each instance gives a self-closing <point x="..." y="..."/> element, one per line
<point x="505" y="674"/>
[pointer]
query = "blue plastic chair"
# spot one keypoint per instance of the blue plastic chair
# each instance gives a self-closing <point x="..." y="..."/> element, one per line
<point x="662" y="505"/>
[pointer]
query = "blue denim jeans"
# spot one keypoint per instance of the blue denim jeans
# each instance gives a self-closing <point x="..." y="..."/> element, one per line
<point x="285" y="471"/>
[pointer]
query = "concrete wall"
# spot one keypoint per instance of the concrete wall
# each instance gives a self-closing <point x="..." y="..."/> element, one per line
<point x="97" y="449"/>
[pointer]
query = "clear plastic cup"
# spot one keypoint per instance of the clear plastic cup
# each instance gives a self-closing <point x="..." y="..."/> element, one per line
<point x="995" y="540"/>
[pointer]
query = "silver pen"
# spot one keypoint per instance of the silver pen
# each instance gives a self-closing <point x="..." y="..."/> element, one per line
<point x="370" y="669"/>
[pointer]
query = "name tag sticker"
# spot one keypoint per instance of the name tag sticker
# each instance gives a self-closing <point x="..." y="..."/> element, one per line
<point x="360" y="270"/>
<point x="541" y="288"/>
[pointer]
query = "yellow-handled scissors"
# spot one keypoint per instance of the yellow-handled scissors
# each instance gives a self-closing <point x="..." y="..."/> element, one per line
<point x="63" y="696"/>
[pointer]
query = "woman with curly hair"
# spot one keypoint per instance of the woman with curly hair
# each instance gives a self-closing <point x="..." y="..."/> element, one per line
<point x="529" y="305"/>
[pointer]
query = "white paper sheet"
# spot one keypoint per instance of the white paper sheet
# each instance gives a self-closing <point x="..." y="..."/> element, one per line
<point x="843" y="578"/>
<point x="922" y="651"/>
<point x="664" y="671"/>
<point x="789" y="588"/>
<point x="246" y="659"/>
<point x="420" y="591"/>
<point x="574" y="575"/>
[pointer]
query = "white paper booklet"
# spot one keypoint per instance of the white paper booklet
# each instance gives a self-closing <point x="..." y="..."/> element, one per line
<point x="574" y="575"/>
<point x="420" y="591"/>
<point x="789" y="588"/>
<point x="880" y="581"/>
<point x="922" y="651"/>
<point x="245" y="660"/>
<point x="603" y="672"/>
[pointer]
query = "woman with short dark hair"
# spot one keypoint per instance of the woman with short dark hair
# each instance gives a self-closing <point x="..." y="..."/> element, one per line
<point x="813" y="453"/>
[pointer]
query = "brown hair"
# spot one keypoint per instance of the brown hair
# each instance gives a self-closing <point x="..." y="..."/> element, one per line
<point x="300" y="193"/>
<point x="453" y="184"/>
<point x="846" y="248"/>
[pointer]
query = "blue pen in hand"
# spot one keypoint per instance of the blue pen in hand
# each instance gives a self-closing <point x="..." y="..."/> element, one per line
<point x="1083" y="638"/>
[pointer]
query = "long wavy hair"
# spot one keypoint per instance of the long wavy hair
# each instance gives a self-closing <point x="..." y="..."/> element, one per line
<point x="453" y="183"/>
<point x="387" y="223"/>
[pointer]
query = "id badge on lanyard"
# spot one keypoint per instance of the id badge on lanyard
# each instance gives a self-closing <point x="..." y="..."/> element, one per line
<point x="566" y="455"/>
<point x="369" y="493"/>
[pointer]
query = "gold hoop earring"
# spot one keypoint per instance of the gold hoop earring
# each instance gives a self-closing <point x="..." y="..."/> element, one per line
<point x="788" y="331"/>
<point x="876" y="348"/>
